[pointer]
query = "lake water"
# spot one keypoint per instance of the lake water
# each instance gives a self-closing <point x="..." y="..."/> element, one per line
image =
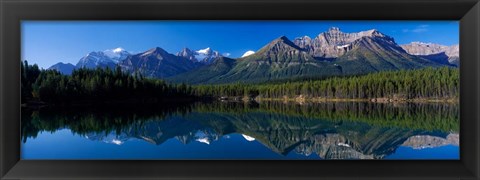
<point x="237" y="130"/>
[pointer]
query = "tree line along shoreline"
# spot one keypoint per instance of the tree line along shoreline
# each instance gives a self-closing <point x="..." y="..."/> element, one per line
<point x="39" y="86"/>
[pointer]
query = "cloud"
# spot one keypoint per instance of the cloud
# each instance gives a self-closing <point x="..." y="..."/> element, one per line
<point x="248" y="138"/>
<point x="226" y="54"/>
<point x="418" y="29"/>
<point x="248" y="53"/>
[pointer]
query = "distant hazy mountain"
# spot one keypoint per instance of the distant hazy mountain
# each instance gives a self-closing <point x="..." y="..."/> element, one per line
<point x="330" y="53"/>
<point x="205" y="56"/>
<point x="436" y="52"/>
<point x="157" y="63"/>
<point x="64" y="68"/>
<point x="107" y="58"/>
<point x="427" y="141"/>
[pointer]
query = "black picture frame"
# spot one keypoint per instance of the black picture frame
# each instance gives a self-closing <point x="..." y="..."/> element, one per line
<point x="12" y="12"/>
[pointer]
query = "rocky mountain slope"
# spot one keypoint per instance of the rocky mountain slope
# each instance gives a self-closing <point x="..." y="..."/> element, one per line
<point x="102" y="59"/>
<point x="450" y="54"/>
<point x="426" y="141"/>
<point x="219" y="67"/>
<point x="204" y="56"/>
<point x="332" y="53"/>
<point x="333" y="43"/>
<point x="157" y="63"/>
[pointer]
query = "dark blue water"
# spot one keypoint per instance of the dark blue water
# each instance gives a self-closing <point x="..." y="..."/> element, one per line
<point x="254" y="133"/>
<point x="450" y="152"/>
<point x="70" y="146"/>
<point x="63" y="144"/>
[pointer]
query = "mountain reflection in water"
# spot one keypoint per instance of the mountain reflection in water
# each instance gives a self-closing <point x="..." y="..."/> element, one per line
<point x="333" y="130"/>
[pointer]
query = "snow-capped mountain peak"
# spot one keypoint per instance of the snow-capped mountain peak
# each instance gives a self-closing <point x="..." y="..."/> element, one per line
<point x="106" y="58"/>
<point x="206" y="55"/>
<point x="116" y="54"/>
<point x="110" y="138"/>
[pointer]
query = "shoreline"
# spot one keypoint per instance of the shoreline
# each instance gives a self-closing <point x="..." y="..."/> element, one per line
<point x="370" y="100"/>
<point x="116" y="103"/>
<point x="298" y="99"/>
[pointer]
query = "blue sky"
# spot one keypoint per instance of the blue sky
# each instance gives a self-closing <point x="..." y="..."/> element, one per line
<point x="48" y="42"/>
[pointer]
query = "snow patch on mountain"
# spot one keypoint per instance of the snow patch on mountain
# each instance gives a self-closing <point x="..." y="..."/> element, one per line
<point x="343" y="144"/>
<point x="343" y="46"/>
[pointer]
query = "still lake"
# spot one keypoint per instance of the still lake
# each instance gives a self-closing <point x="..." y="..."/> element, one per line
<point x="236" y="130"/>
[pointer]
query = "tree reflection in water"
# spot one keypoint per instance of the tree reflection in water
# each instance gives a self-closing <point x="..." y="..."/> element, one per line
<point x="332" y="130"/>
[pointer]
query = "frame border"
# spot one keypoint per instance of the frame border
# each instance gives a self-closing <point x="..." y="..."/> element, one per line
<point x="13" y="11"/>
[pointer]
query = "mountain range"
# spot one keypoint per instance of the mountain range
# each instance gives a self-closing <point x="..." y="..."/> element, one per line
<point x="330" y="53"/>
